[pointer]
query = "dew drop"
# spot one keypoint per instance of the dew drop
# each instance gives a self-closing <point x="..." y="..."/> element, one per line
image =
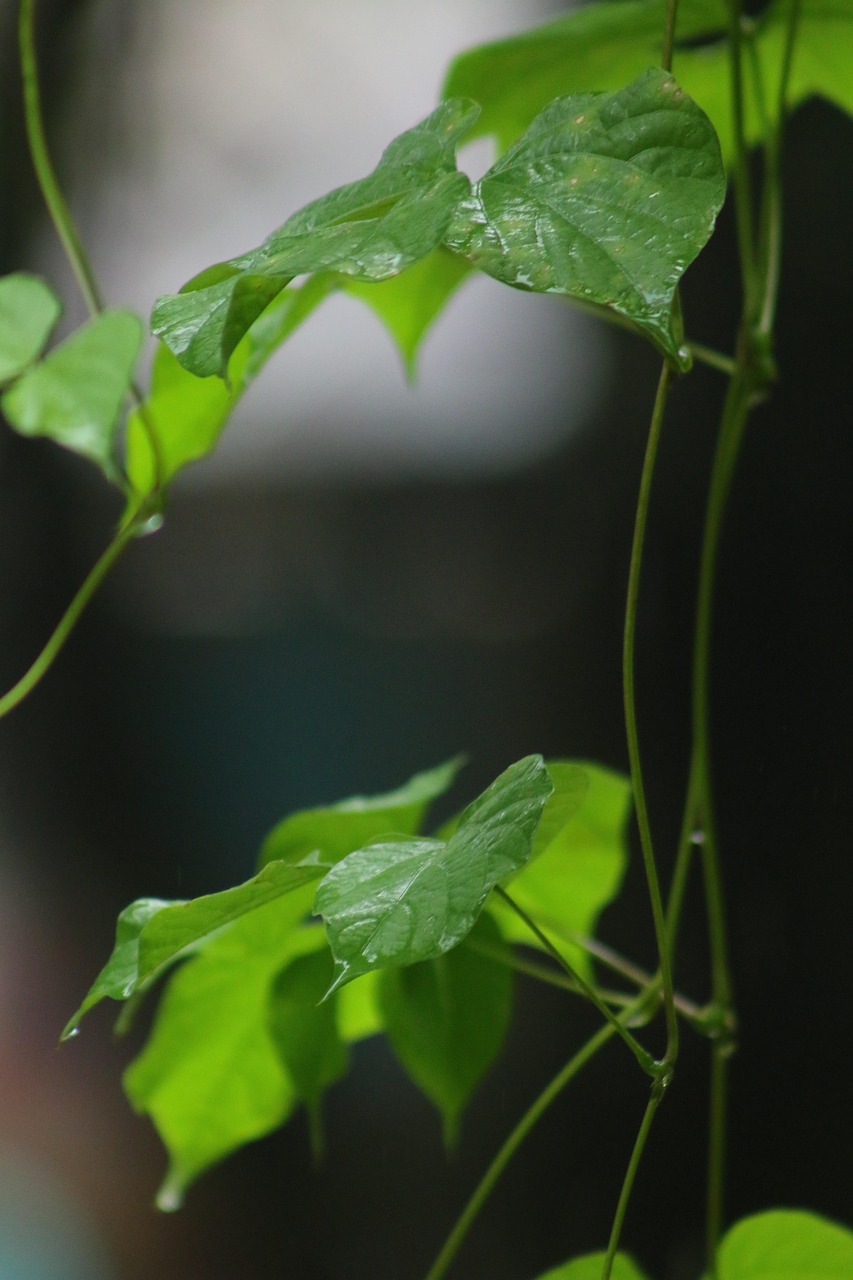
<point x="151" y="525"/>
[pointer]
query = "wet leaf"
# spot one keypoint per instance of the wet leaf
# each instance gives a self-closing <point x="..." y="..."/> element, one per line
<point x="447" y="1019"/>
<point x="75" y="394"/>
<point x="151" y="934"/>
<point x="397" y="903"/>
<point x="28" y="311"/>
<point x="606" y="198"/>
<point x="369" y="230"/>
<point x="568" y="885"/>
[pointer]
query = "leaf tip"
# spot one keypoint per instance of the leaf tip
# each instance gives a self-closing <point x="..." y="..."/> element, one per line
<point x="170" y="1197"/>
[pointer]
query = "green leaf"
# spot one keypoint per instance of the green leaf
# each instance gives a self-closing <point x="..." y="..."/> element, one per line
<point x="28" y="311"/>
<point x="571" y="787"/>
<point x="187" y="414"/>
<point x="580" y="871"/>
<point x="589" y="1268"/>
<point x="447" y="1018"/>
<point x="606" y="198"/>
<point x="823" y="51"/>
<point x="370" y="230"/>
<point x="397" y="903"/>
<point x="305" y="1032"/>
<point x="332" y="832"/>
<point x="75" y="394"/>
<point x="786" y="1244"/>
<point x="151" y="934"/>
<point x="408" y="304"/>
<point x="210" y="1076"/>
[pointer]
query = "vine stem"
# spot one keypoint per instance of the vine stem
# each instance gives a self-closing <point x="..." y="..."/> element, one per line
<point x="632" y="733"/>
<point x="527" y="1122"/>
<point x="645" y="1059"/>
<point x="95" y="577"/>
<point x="45" y="172"/>
<point x="59" y="211"/>
<point x="630" y="1176"/>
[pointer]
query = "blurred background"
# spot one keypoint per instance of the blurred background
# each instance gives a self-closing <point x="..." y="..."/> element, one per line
<point x="366" y="579"/>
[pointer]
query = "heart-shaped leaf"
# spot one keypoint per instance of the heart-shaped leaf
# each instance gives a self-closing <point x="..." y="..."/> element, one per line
<point x="397" y="903"/>
<point x="606" y="198"/>
<point x="447" y="1019"/>
<point x="75" y="394"/>
<point x="28" y="311"/>
<point x="786" y="1243"/>
<point x="369" y="230"/>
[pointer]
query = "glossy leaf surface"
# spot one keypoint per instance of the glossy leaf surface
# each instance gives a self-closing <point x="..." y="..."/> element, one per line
<point x="447" y="1019"/>
<point x="370" y="230"/>
<point x="589" y="1268"/>
<point x="607" y="198"/>
<point x="305" y="1032"/>
<point x="28" y="311"/>
<point x="187" y="414"/>
<point x="75" y="394"/>
<point x="151" y="934"/>
<point x="411" y="900"/>
<point x="332" y="832"/>
<point x="579" y="872"/>
<point x="210" y="1076"/>
<point x="786" y="1244"/>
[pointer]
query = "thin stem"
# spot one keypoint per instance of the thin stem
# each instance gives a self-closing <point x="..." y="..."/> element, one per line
<point x="742" y="183"/>
<point x="669" y="34"/>
<point x="527" y="1122"/>
<point x="630" y="1177"/>
<point x="632" y="732"/>
<point x="772" y="205"/>
<point x="645" y="1059"/>
<point x="714" y="359"/>
<point x="47" y="180"/>
<point x="45" y="659"/>
<point x="542" y="973"/>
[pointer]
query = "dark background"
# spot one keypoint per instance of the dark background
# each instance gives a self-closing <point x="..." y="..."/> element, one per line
<point x="406" y="622"/>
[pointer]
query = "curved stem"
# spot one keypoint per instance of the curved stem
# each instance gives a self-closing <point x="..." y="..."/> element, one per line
<point x="645" y="1059"/>
<point x="45" y="659"/>
<point x="47" y="180"/>
<point x="742" y="182"/>
<point x="632" y="733"/>
<point x="534" y="1113"/>
<point x="630" y="1177"/>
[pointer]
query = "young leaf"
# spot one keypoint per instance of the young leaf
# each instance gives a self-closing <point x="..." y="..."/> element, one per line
<point x="370" y="230"/>
<point x="607" y="198"/>
<point x="338" y="829"/>
<point x="152" y="934"/>
<point x="786" y="1243"/>
<point x="187" y="414"/>
<point x="395" y="904"/>
<point x="568" y="885"/>
<point x="409" y="303"/>
<point x="28" y="311"/>
<point x="304" y="1030"/>
<point x="589" y="1268"/>
<point x="447" y="1019"/>
<point x="210" y="1077"/>
<point x="74" y="395"/>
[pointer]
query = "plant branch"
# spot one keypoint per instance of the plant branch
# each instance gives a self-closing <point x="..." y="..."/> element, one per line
<point x="669" y="34"/>
<point x="652" y="1105"/>
<point x="34" y="120"/>
<point x="631" y="729"/>
<point x="645" y="1059"/>
<point x="72" y="614"/>
<point x="527" y="1122"/>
